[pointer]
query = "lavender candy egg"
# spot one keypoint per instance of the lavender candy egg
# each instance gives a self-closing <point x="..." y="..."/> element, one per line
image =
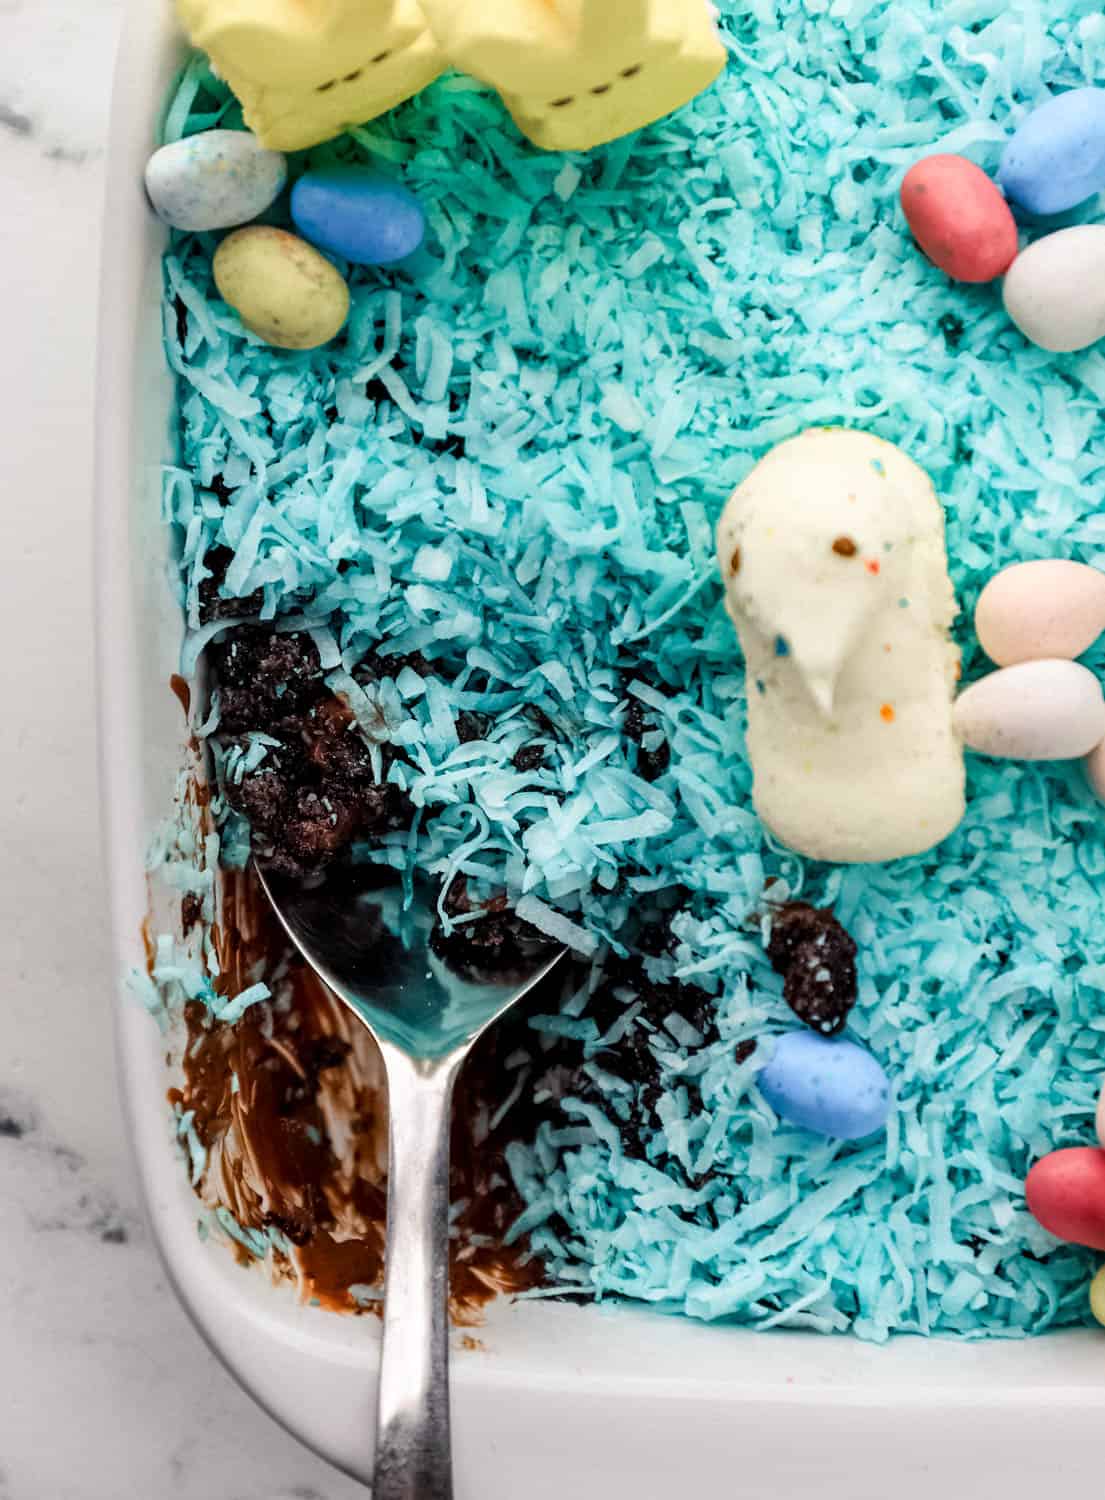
<point x="831" y="1086"/>
<point x="1056" y="159"/>
<point x="215" y="180"/>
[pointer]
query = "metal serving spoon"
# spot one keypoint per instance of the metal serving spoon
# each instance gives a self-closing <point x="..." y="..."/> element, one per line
<point x="367" y="935"/>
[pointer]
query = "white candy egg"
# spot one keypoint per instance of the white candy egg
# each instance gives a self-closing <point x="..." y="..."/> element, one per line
<point x="1037" y="710"/>
<point x="1035" y="611"/>
<point x="1055" y="290"/>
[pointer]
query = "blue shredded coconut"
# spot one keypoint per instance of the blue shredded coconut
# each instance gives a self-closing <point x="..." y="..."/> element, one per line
<point x="513" y="461"/>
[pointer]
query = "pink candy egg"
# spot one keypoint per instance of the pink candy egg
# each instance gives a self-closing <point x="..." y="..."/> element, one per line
<point x="959" y="218"/>
<point x="1066" y="1193"/>
<point x="1035" y="610"/>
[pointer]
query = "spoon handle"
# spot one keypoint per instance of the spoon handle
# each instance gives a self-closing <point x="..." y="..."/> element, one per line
<point x="413" y="1453"/>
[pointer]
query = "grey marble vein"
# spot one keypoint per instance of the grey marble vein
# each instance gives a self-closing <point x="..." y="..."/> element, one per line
<point x="15" y="121"/>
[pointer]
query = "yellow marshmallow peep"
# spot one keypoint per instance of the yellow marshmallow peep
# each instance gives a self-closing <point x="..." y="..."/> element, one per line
<point x="304" y="70"/>
<point x="577" y="73"/>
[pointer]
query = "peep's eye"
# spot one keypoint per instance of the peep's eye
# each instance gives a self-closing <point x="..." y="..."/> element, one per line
<point x="598" y="90"/>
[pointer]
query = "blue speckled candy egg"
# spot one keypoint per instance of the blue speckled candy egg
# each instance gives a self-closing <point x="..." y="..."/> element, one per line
<point x="358" y="214"/>
<point x="833" y="1087"/>
<point x="1056" y="158"/>
<point x="215" y="180"/>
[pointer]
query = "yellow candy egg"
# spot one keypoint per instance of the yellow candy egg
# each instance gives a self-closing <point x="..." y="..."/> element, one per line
<point x="283" y="290"/>
<point x="1097" y="1296"/>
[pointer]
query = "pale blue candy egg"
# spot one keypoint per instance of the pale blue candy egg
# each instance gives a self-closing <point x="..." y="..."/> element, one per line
<point x="358" y="214"/>
<point x="833" y="1087"/>
<point x="1056" y="159"/>
<point x="214" y="180"/>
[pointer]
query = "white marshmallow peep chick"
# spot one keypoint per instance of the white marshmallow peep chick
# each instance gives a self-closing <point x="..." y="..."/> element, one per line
<point x="833" y="556"/>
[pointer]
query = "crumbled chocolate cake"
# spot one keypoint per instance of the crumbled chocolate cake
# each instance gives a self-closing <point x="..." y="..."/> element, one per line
<point x="497" y="942"/>
<point x="180" y="314"/>
<point x="817" y="959"/>
<point x="221" y="490"/>
<point x="637" y="723"/>
<point x="529" y="757"/>
<point x="376" y="666"/>
<point x="191" y="910"/>
<point x="640" y="1055"/>
<point x="472" y="726"/>
<point x="317" y="789"/>
<point x="321" y="786"/>
<point x="494" y="941"/>
<point x="213" y="604"/>
<point x="265" y="678"/>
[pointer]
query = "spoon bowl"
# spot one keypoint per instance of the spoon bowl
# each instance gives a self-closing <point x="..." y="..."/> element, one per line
<point x="376" y="941"/>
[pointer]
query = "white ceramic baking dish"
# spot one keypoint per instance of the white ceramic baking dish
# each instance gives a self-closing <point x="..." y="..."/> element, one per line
<point x="598" y="1404"/>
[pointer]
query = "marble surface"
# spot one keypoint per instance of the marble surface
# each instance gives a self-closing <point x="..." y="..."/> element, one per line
<point x="106" y="1392"/>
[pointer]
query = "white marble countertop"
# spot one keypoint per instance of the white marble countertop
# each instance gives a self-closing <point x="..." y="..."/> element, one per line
<point x="106" y="1392"/>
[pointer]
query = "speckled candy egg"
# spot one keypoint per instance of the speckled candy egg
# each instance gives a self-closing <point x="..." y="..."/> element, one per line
<point x="1055" y="290"/>
<point x="360" y="215"/>
<point x="1066" y="1193"/>
<point x="959" y="218"/>
<point x="283" y="290"/>
<point x="1035" y="610"/>
<point x="831" y="1086"/>
<point x="1038" y="710"/>
<point x="214" y="180"/>
<point x="1056" y="158"/>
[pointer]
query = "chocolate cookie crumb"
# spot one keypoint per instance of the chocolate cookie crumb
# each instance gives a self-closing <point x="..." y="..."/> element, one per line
<point x="213" y="604"/>
<point x="265" y="678"/>
<point x="529" y="757"/>
<point x="322" y="784"/>
<point x="497" y="942"/>
<point x="471" y="726"/>
<point x="817" y="959"/>
<point x="191" y="909"/>
<point x="651" y="764"/>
